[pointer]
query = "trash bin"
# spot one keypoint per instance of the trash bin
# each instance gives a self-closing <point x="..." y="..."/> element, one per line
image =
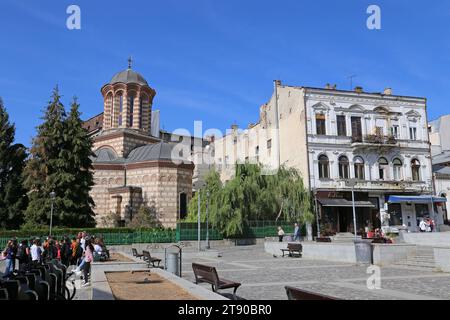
<point x="172" y="259"/>
<point x="363" y="249"/>
<point x="172" y="263"/>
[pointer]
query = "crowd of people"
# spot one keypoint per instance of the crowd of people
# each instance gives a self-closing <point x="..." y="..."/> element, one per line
<point x="79" y="251"/>
<point x="426" y="225"/>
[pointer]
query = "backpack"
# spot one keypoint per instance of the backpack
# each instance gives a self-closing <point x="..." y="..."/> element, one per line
<point x="79" y="251"/>
<point x="21" y="253"/>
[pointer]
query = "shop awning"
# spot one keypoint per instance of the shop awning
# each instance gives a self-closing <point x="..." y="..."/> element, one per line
<point x="415" y="199"/>
<point x="345" y="203"/>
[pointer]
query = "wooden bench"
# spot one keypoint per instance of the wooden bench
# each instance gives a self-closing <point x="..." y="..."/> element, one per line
<point x="293" y="248"/>
<point x="136" y="254"/>
<point x="300" y="294"/>
<point x="151" y="260"/>
<point x="207" y="274"/>
<point x="323" y="239"/>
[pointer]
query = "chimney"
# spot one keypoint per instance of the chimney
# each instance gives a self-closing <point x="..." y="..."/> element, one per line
<point x="327" y="86"/>
<point x="278" y="82"/>
<point x="387" y="91"/>
<point x="359" y="89"/>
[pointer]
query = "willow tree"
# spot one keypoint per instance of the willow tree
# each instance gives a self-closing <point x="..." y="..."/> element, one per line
<point x="252" y="195"/>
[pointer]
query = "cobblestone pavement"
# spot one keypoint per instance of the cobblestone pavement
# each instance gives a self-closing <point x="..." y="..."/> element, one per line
<point x="264" y="277"/>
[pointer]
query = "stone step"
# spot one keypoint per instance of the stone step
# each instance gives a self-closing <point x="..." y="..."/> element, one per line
<point x="417" y="264"/>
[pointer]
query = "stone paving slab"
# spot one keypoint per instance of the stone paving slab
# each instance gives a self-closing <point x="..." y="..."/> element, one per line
<point x="264" y="277"/>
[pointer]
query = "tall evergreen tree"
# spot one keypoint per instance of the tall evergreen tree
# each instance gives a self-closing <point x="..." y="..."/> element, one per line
<point x="59" y="162"/>
<point x="78" y="152"/>
<point x="13" y="199"/>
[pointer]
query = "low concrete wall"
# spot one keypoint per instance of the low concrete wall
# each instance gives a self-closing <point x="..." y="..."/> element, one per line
<point x="339" y="252"/>
<point x="386" y="254"/>
<point x="102" y="291"/>
<point x="442" y="258"/>
<point x="439" y="239"/>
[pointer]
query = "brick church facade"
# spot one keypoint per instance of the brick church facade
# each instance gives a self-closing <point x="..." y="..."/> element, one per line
<point x="132" y="168"/>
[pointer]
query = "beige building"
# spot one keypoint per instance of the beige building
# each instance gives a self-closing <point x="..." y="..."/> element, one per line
<point x="379" y="141"/>
<point x="132" y="168"/>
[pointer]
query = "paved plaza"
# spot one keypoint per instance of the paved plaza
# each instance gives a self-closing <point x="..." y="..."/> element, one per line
<point x="264" y="277"/>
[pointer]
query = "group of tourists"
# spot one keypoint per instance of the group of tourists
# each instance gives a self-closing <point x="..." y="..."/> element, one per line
<point x="426" y="225"/>
<point x="78" y="251"/>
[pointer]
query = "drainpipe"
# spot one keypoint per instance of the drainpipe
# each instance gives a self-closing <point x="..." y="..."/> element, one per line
<point x="277" y="123"/>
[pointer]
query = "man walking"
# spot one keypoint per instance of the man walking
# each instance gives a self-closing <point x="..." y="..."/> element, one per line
<point x="296" y="232"/>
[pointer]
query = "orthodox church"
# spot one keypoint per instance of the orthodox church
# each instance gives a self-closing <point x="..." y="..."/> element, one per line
<point x="132" y="167"/>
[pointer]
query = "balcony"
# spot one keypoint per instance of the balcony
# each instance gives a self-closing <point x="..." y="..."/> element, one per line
<point x="374" y="141"/>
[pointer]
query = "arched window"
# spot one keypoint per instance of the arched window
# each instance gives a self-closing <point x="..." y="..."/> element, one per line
<point x="120" y="108"/>
<point x="131" y="104"/>
<point x="359" y="168"/>
<point x="324" y="167"/>
<point x="142" y="103"/>
<point x="415" y="170"/>
<point x="183" y="206"/>
<point x="397" y="169"/>
<point x="343" y="167"/>
<point x="383" y="166"/>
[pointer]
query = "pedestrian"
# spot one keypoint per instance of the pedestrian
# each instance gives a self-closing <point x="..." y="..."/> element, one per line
<point x="23" y="256"/>
<point x="422" y="225"/>
<point x="9" y="258"/>
<point x="296" y="232"/>
<point x="65" y="251"/>
<point x="428" y="225"/>
<point x="280" y="234"/>
<point x="431" y="225"/>
<point x="88" y="258"/>
<point x="36" y="252"/>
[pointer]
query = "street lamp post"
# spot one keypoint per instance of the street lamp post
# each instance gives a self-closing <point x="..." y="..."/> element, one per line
<point x="198" y="213"/>
<point x="52" y="197"/>
<point x="352" y="183"/>
<point x="207" y="219"/>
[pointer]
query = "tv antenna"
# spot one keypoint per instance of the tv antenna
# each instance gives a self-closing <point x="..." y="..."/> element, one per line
<point x="351" y="80"/>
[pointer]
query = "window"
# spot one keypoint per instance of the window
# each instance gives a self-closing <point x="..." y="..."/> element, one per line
<point x="415" y="170"/>
<point x="383" y="166"/>
<point x="227" y="160"/>
<point x="141" y="103"/>
<point x="359" y="168"/>
<point x="320" y="124"/>
<point x="413" y="133"/>
<point x="343" y="167"/>
<point x="120" y="109"/>
<point x="324" y="167"/>
<point x="395" y="131"/>
<point x="398" y="169"/>
<point x="341" y="126"/>
<point x="257" y="150"/>
<point x="131" y="103"/>
<point x="356" y="129"/>
<point x="183" y="206"/>
<point x="235" y="140"/>
<point x="269" y="144"/>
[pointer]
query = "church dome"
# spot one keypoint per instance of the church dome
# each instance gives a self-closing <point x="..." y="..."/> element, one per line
<point x="129" y="76"/>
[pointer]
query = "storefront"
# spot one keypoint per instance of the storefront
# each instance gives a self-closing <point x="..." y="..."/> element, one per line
<point x="336" y="213"/>
<point x="410" y="210"/>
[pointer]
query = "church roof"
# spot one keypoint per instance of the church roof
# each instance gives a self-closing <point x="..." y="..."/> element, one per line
<point x="156" y="151"/>
<point x="150" y="152"/>
<point x="129" y="76"/>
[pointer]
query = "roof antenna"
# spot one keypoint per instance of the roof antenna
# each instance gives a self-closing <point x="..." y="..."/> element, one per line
<point x="351" y="81"/>
<point x="130" y="61"/>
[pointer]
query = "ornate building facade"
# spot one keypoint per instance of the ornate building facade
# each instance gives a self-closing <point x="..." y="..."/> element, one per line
<point x="132" y="168"/>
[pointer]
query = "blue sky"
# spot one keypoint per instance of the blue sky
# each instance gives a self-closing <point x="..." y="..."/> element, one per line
<point x="215" y="60"/>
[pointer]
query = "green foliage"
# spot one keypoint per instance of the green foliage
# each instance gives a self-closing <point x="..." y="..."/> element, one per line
<point x="60" y="162"/>
<point x="252" y="195"/>
<point x="145" y="218"/>
<point x="13" y="200"/>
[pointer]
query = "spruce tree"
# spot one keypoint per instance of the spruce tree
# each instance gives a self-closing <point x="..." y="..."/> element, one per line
<point x="44" y="171"/>
<point x="12" y="161"/>
<point x="78" y="153"/>
<point x="60" y="162"/>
